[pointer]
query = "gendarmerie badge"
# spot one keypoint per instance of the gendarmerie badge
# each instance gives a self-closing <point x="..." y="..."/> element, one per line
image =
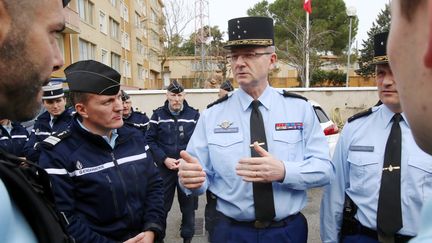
<point x="225" y="127"/>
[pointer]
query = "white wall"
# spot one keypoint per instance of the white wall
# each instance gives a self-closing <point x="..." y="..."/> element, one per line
<point x="348" y="100"/>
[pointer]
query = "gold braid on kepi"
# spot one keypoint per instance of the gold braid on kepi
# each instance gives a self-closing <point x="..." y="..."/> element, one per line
<point x="380" y="59"/>
<point x="265" y="42"/>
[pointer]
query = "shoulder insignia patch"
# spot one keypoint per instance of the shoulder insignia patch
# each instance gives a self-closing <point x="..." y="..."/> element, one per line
<point x="363" y="113"/>
<point x="360" y="114"/>
<point x="220" y="100"/>
<point x="293" y="95"/>
<point x="55" y="138"/>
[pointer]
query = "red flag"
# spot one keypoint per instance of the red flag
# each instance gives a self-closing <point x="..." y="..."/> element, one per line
<point x="307" y="6"/>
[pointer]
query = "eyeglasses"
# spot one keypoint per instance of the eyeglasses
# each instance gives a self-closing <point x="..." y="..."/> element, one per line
<point x="246" y="56"/>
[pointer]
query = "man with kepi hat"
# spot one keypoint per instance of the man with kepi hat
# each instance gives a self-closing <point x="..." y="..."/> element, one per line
<point x="380" y="185"/>
<point x="104" y="178"/>
<point x="258" y="173"/>
<point x="56" y="118"/>
<point x="136" y="119"/>
<point x="171" y="127"/>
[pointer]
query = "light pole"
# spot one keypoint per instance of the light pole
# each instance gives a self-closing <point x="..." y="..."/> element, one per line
<point x="351" y="12"/>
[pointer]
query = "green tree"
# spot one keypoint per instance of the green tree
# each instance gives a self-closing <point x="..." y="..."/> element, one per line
<point x="329" y="27"/>
<point x="381" y="24"/>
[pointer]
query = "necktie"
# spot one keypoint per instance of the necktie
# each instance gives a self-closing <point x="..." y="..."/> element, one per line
<point x="262" y="192"/>
<point x="389" y="215"/>
<point x="53" y="120"/>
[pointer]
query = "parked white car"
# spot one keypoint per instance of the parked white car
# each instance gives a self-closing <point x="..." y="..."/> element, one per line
<point x="331" y="131"/>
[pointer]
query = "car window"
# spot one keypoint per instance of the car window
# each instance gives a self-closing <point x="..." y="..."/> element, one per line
<point x="322" y="117"/>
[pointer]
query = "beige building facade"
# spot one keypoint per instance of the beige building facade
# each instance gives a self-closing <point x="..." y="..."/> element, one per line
<point x="123" y="34"/>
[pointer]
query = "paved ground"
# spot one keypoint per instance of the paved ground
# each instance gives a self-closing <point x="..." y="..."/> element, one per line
<point x="173" y="236"/>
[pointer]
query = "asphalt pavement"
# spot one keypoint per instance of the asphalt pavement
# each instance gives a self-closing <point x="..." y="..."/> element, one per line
<point x="174" y="220"/>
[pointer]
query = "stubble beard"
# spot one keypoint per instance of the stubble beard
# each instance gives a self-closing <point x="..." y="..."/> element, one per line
<point x="20" y="81"/>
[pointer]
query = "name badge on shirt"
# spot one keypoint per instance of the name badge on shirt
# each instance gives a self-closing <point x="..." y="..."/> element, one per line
<point x="361" y="148"/>
<point x="225" y="127"/>
<point x="289" y="126"/>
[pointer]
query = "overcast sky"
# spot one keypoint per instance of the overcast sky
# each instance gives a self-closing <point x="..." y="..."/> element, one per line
<point x="223" y="10"/>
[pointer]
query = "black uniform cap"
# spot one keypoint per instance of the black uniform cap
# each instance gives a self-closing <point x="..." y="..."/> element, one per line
<point x="92" y="77"/>
<point x="226" y="85"/>
<point x="380" y="48"/>
<point x="175" y="87"/>
<point x="250" y="31"/>
<point x="124" y="95"/>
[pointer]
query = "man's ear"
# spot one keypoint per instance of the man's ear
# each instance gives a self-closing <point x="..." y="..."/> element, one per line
<point x="5" y="22"/>
<point x="81" y="110"/>
<point x="427" y="60"/>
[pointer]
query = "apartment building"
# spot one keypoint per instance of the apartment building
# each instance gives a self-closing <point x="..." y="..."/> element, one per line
<point x="123" y="34"/>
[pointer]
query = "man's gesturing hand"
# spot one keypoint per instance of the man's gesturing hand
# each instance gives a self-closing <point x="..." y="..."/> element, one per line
<point x="190" y="173"/>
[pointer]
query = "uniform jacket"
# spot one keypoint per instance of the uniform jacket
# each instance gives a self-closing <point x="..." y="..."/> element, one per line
<point x="138" y="120"/>
<point x="14" y="142"/>
<point x="358" y="159"/>
<point x="106" y="194"/>
<point x="294" y="136"/>
<point x="169" y="134"/>
<point x="42" y="130"/>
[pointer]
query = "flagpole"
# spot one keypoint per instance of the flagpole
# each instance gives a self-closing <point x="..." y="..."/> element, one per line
<point x="307" y="49"/>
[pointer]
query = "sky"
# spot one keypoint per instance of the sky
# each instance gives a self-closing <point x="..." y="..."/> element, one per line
<point x="223" y="10"/>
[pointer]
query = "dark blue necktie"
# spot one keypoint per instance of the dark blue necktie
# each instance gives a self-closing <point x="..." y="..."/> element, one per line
<point x="262" y="192"/>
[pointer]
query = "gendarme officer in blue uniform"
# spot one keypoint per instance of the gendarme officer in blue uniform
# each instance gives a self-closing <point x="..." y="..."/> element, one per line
<point x="257" y="150"/>
<point x="104" y="178"/>
<point x="13" y="137"/>
<point x="56" y="118"/>
<point x="171" y="127"/>
<point x="133" y="118"/>
<point x="383" y="186"/>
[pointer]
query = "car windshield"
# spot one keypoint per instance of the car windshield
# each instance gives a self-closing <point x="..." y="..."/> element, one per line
<point x="322" y="117"/>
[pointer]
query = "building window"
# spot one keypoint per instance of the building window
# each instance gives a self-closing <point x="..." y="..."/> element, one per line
<point x="104" y="57"/>
<point x="86" y="50"/>
<point x="140" y="73"/>
<point x="139" y="47"/>
<point x="103" y="22"/>
<point x="115" y="61"/>
<point x="114" y="29"/>
<point x="125" y="41"/>
<point x="60" y="43"/>
<point x="124" y="11"/>
<point x="86" y="11"/>
<point x="153" y="17"/>
<point x="126" y="69"/>
<point x="154" y="39"/>
<point x="114" y="3"/>
<point x="139" y="24"/>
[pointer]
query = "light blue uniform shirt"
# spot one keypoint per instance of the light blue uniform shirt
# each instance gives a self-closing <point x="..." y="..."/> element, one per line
<point x="13" y="225"/>
<point x="425" y="232"/>
<point x="294" y="136"/>
<point x="358" y="160"/>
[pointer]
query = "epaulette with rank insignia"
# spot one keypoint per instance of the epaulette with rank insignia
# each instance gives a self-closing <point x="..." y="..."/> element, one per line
<point x="364" y="113"/>
<point x="220" y="100"/>
<point x="54" y="139"/>
<point x="360" y="114"/>
<point x="293" y="95"/>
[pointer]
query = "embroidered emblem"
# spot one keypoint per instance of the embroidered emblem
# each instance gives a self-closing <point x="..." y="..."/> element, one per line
<point x="225" y="127"/>
<point x="79" y="166"/>
<point x="289" y="126"/>
<point x="225" y="124"/>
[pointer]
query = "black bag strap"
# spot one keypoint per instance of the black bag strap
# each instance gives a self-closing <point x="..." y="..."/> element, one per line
<point x="29" y="188"/>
